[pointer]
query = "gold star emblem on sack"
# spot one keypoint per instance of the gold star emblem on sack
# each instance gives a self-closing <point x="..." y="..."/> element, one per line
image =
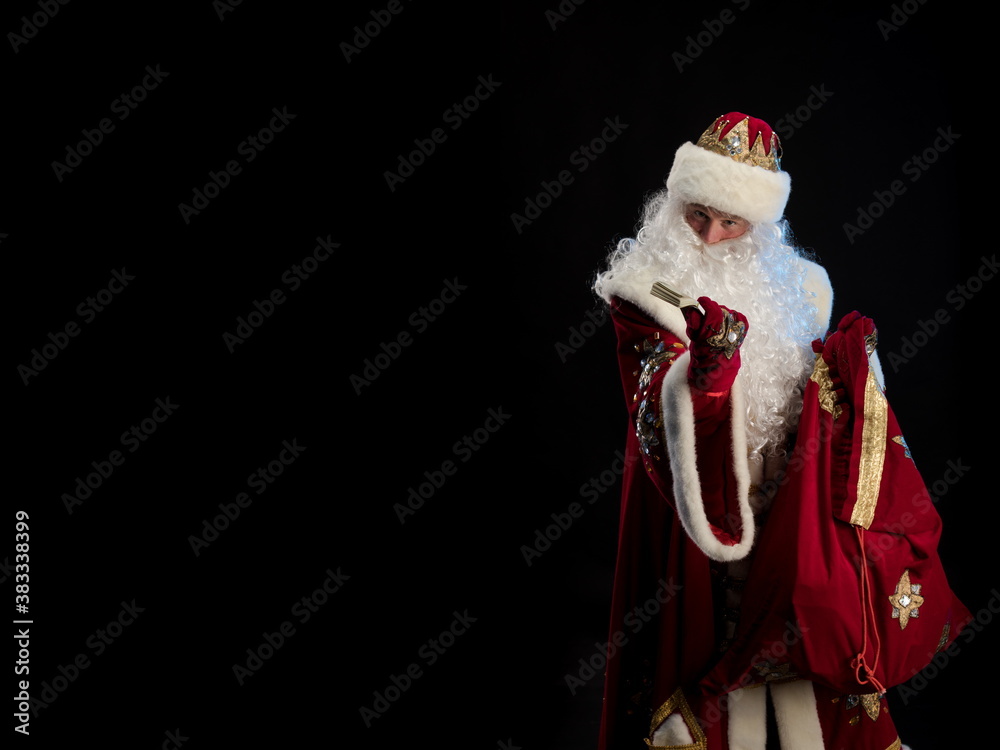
<point x="906" y="601"/>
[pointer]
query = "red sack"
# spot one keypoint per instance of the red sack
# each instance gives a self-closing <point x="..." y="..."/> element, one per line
<point x="846" y="587"/>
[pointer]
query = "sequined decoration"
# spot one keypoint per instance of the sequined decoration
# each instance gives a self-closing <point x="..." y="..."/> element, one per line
<point x="906" y="601"/>
<point x="729" y="339"/>
<point x="871" y="342"/>
<point x="648" y="421"/>
<point x="943" y="640"/>
<point x="870" y="702"/>
<point x="906" y="449"/>
<point x="771" y="672"/>
<point x="732" y="145"/>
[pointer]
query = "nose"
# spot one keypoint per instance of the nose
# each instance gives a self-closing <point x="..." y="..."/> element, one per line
<point x="712" y="232"/>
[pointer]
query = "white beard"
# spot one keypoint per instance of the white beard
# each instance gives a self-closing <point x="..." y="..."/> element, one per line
<point x="756" y="274"/>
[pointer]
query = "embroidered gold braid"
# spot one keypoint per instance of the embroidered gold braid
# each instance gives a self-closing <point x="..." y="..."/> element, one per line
<point x="873" y="436"/>
<point x="677" y="702"/>
<point x="827" y="396"/>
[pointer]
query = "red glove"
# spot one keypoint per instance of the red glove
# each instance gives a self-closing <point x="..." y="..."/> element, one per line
<point x="716" y="337"/>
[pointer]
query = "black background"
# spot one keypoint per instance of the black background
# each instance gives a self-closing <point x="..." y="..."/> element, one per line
<point x="856" y="97"/>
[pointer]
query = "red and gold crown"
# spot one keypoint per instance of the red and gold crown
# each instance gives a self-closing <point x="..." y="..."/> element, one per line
<point x="735" y="167"/>
<point x="744" y="139"/>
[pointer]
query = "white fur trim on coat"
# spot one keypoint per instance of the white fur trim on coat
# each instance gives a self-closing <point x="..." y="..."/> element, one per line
<point x="678" y="427"/>
<point x="753" y="193"/>
<point x="678" y="414"/>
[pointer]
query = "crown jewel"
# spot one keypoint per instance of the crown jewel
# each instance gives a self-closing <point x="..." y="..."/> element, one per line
<point x="744" y="139"/>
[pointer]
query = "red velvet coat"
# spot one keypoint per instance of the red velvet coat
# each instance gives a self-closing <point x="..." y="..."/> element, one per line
<point x="687" y="530"/>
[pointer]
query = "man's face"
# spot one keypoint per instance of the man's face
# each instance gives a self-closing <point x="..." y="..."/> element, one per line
<point x="714" y="226"/>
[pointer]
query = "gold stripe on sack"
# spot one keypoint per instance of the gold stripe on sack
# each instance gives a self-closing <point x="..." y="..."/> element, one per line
<point x="827" y="397"/>
<point x="677" y="702"/>
<point x="897" y="745"/>
<point x="873" y="437"/>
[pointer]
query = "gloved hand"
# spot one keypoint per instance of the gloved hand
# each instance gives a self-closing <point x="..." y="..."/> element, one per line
<point x="716" y="337"/>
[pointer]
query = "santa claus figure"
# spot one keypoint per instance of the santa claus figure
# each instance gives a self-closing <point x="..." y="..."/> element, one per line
<point x="714" y="373"/>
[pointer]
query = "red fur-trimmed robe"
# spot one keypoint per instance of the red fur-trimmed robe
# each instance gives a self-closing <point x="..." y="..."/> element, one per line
<point x="687" y="529"/>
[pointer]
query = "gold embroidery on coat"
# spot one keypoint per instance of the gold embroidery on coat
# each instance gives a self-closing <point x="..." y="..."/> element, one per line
<point x="871" y="703"/>
<point x="677" y="702"/>
<point x="649" y="422"/>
